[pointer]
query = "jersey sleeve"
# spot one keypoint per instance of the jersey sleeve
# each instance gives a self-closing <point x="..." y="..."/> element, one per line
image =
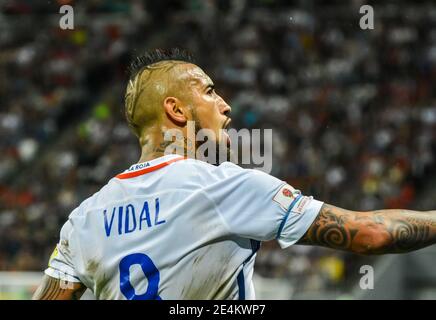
<point x="256" y="205"/>
<point x="60" y="265"/>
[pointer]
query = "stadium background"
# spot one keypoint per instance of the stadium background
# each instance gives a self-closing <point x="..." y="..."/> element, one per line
<point x="353" y="114"/>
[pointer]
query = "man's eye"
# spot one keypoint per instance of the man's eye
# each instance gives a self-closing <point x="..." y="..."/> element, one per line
<point x="210" y="91"/>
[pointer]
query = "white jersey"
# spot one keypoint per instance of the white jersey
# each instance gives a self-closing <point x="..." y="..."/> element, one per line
<point x="176" y="228"/>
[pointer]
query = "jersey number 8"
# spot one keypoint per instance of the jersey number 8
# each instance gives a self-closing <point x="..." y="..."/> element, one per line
<point x="150" y="271"/>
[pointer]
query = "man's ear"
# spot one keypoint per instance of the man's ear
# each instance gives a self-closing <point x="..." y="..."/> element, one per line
<point x="175" y="110"/>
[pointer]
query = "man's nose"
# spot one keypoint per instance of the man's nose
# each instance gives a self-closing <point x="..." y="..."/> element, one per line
<point x="225" y="109"/>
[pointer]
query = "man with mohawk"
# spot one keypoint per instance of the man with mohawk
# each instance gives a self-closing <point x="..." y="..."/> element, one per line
<point x="175" y="227"/>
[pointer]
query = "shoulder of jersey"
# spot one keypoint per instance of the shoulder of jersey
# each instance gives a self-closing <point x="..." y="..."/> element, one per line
<point x="193" y="166"/>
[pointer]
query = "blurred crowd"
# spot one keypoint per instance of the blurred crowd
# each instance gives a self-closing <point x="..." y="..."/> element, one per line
<point x="353" y="111"/>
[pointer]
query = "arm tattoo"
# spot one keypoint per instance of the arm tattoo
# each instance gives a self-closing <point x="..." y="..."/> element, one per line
<point x="51" y="289"/>
<point x="329" y="230"/>
<point x="377" y="232"/>
<point x="410" y="233"/>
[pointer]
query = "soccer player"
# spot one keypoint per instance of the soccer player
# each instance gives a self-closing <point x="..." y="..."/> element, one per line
<point x="175" y="227"/>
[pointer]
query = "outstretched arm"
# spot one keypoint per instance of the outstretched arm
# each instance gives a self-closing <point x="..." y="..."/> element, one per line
<point x="54" y="289"/>
<point x="372" y="232"/>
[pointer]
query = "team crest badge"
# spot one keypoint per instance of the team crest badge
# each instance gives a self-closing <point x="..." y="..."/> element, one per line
<point x="287" y="193"/>
<point x="285" y="196"/>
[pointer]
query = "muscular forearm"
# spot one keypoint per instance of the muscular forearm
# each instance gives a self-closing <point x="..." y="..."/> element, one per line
<point x="406" y="230"/>
<point x="375" y="232"/>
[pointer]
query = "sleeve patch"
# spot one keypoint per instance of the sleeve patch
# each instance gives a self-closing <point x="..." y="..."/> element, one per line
<point x="301" y="205"/>
<point x="53" y="255"/>
<point x="286" y="196"/>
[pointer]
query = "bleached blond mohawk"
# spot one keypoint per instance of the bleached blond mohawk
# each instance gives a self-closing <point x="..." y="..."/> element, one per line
<point x="158" y="55"/>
